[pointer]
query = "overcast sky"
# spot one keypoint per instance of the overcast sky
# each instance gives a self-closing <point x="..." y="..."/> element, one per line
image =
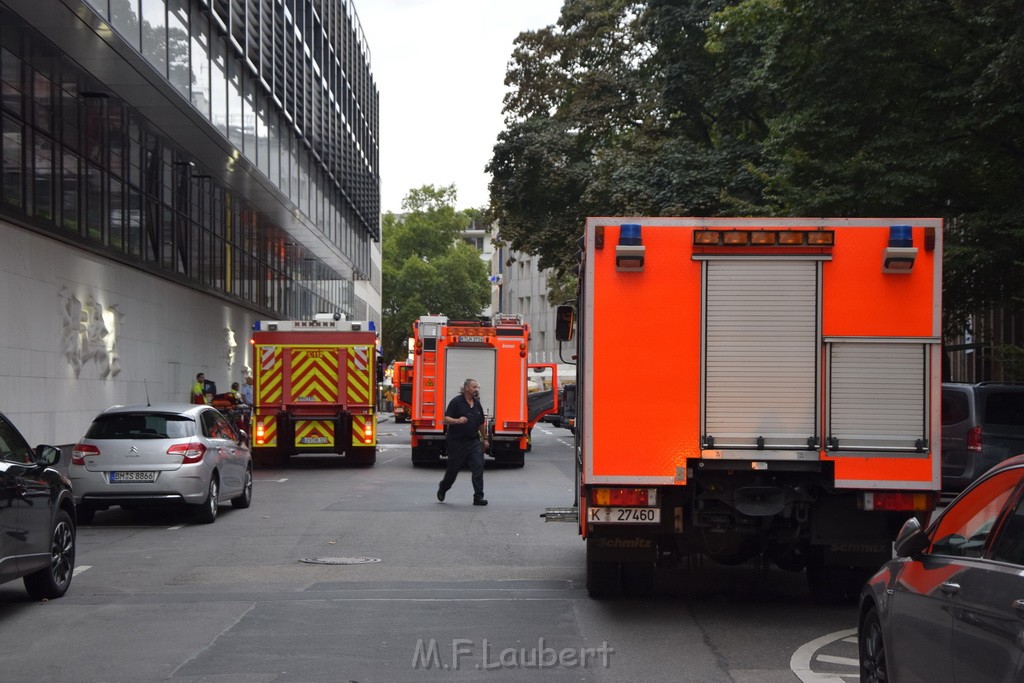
<point x="440" y="69"/>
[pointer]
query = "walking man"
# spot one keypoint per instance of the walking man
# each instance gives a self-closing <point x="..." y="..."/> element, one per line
<point x="467" y="427"/>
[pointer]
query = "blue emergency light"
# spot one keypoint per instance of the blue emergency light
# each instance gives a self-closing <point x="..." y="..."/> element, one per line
<point x="629" y="254"/>
<point x="629" y="234"/>
<point x="901" y="236"/>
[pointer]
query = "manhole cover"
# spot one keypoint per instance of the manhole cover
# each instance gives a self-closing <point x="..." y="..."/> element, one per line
<point x="340" y="560"/>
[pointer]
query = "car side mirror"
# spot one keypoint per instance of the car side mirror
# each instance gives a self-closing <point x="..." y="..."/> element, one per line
<point x="47" y="455"/>
<point x="911" y="540"/>
<point x="564" y="320"/>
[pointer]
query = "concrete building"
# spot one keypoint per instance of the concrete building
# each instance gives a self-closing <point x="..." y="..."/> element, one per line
<point x="519" y="286"/>
<point x="172" y="171"/>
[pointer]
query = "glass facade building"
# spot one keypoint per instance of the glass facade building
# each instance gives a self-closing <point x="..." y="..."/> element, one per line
<point x="227" y="145"/>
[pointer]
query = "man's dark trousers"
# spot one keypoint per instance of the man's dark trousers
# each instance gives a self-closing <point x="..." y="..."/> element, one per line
<point x="459" y="453"/>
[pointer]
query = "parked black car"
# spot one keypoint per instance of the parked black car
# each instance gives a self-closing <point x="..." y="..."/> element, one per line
<point x="949" y="606"/>
<point x="37" y="516"/>
<point x="982" y="425"/>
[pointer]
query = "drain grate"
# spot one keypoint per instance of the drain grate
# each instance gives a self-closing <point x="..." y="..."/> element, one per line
<point x="340" y="560"/>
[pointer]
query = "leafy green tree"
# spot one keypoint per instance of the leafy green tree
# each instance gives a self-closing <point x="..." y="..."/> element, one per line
<point x="426" y="267"/>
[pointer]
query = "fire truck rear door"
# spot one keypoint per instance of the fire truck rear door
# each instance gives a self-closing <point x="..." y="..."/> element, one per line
<point x="760" y="353"/>
<point x="476" y="363"/>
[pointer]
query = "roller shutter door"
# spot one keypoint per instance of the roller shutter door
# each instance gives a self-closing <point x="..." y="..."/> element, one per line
<point x="464" y="363"/>
<point x="761" y="351"/>
<point x="876" y="396"/>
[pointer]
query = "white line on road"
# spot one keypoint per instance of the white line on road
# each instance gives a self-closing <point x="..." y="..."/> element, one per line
<point x="176" y="527"/>
<point x="81" y="568"/>
<point x="830" y="659"/>
<point x="800" y="662"/>
<point x="281" y="481"/>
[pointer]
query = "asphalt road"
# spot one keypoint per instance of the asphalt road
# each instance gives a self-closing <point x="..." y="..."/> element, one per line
<point x="417" y="590"/>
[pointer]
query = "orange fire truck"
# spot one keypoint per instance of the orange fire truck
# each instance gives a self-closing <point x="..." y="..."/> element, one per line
<point x="314" y="389"/>
<point x="401" y="378"/>
<point x="806" y="404"/>
<point x="447" y="352"/>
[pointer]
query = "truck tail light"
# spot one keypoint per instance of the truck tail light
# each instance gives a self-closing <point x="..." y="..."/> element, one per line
<point x="607" y="496"/>
<point x="423" y="423"/>
<point x="974" y="439"/>
<point x="368" y="432"/>
<point x="190" y="452"/>
<point x="81" y="451"/>
<point x="261" y="433"/>
<point x="920" y="502"/>
<point x="515" y="425"/>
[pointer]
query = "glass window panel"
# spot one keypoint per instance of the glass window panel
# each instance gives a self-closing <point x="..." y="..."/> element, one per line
<point x="102" y="7"/>
<point x="43" y="101"/>
<point x="262" y="133"/>
<point x="13" y="162"/>
<point x="124" y="17"/>
<point x="69" y="191"/>
<point x="274" y="149"/>
<point x="235" y="113"/>
<point x="219" y="87"/>
<point x="248" y="119"/>
<point x="154" y="34"/>
<point x="200" y="63"/>
<point x="117" y="215"/>
<point x="42" y="178"/>
<point x="94" y="203"/>
<point x="178" y="45"/>
<point x="134" y="216"/>
<point x="10" y="81"/>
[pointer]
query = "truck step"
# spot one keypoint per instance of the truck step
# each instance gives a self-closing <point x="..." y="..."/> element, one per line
<point x="561" y="514"/>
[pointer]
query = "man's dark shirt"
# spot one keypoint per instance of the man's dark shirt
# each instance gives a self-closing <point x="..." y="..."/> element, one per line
<point x="458" y="407"/>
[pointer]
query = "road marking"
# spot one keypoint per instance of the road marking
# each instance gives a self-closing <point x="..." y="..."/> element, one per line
<point x="846" y="661"/>
<point x="175" y="528"/>
<point x="81" y="568"/>
<point x="281" y="481"/>
<point x="800" y="662"/>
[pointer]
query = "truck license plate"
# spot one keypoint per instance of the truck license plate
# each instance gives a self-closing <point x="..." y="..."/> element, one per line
<point x="623" y="515"/>
<point x="122" y="477"/>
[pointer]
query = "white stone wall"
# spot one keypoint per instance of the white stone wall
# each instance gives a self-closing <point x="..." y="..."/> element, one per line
<point x="79" y="333"/>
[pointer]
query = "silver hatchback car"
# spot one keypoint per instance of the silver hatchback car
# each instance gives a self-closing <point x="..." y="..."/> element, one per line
<point x="169" y="454"/>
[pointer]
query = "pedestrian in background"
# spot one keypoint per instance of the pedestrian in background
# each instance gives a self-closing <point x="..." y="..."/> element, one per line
<point x="467" y="428"/>
<point x="199" y="390"/>
<point x="247" y="391"/>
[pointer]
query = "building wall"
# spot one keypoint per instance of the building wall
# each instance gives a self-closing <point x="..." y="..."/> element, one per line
<point x="522" y="289"/>
<point x="81" y="334"/>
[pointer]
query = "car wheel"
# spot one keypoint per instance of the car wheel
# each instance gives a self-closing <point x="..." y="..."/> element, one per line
<point x="244" y="499"/>
<point x="873" y="668"/>
<point x="206" y="512"/>
<point x="84" y="513"/>
<point x="53" y="581"/>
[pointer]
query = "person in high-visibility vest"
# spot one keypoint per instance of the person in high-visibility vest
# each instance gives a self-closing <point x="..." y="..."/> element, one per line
<point x="199" y="390"/>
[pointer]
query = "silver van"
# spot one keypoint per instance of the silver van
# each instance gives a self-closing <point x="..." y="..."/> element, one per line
<point x="982" y="425"/>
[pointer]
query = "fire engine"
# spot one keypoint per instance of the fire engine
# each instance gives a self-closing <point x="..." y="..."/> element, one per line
<point x="401" y="378"/>
<point x="446" y="353"/>
<point x="314" y="389"/>
<point x="806" y="416"/>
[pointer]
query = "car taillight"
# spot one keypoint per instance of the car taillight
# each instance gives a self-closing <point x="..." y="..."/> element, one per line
<point x="886" y="500"/>
<point x="604" y="496"/>
<point x="81" y="451"/>
<point x="189" y="452"/>
<point x="974" y="439"/>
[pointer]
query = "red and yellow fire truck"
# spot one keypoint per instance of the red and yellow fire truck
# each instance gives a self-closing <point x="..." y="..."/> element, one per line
<point x="314" y="389"/>
<point x="401" y="379"/>
<point x="806" y="423"/>
<point x="445" y="354"/>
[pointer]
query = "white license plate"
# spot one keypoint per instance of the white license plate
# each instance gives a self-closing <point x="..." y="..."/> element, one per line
<point x="623" y="515"/>
<point x="122" y="477"/>
<point x="313" y="439"/>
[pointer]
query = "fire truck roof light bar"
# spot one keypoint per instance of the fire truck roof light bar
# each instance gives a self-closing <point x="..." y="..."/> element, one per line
<point x="763" y="238"/>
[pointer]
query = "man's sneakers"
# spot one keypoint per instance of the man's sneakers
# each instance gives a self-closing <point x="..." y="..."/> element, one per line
<point x="479" y="501"/>
<point x="440" y="494"/>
